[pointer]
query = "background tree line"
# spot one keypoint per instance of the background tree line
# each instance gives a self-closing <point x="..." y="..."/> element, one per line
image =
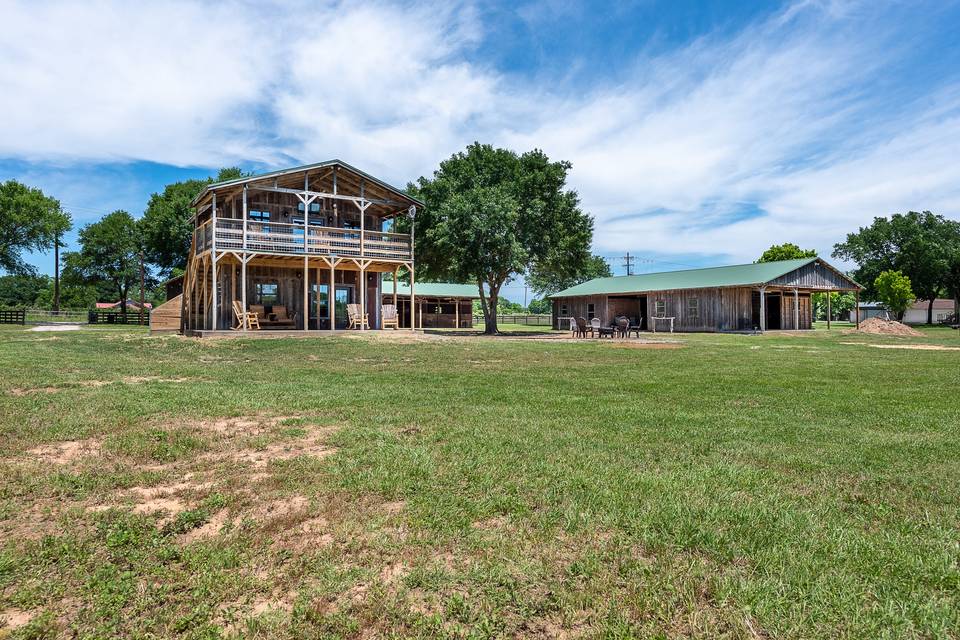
<point x="116" y="254"/>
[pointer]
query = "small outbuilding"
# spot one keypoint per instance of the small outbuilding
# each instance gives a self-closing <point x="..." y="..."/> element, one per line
<point x="746" y="297"/>
<point x="437" y="304"/>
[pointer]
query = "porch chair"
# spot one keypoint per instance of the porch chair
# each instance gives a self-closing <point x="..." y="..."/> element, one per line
<point x="582" y="327"/>
<point x="388" y="313"/>
<point x="280" y="317"/>
<point x="244" y="319"/>
<point x="595" y="327"/>
<point x="357" y="320"/>
<point x="623" y="326"/>
<point x="635" y="326"/>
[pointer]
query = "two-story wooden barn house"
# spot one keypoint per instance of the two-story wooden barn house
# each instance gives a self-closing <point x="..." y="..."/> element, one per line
<point x="297" y="246"/>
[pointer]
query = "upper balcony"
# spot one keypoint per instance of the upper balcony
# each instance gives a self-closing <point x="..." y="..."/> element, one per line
<point x="280" y="238"/>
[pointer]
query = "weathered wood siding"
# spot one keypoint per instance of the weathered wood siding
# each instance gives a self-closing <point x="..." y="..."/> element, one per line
<point x="166" y="317"/>
<point x="788" y="311"/>
<point x="578" y="307"/>
<point x="814" y="276"/>
<point x="724" y="309"/>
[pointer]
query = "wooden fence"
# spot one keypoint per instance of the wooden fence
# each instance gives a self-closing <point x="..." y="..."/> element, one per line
<point x="13" y="316"/>
<point x="531" y="319"/>
<point x="117" y="317"/>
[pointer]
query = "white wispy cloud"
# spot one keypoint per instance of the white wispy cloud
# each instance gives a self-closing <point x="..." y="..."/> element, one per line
<point x="784" y="131"/>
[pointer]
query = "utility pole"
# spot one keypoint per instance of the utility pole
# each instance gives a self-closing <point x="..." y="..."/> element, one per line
<point x="56" y="271"/>
<point x="628" y="263"/>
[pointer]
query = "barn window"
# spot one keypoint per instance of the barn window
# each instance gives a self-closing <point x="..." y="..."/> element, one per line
<point x="591" y="311"/>
<point x="693" y="308"/>
<point x="267" y="293"/>
<point x="563" y="309"/>
<point x="259" y="216"/>
<point x="660" y="308"/>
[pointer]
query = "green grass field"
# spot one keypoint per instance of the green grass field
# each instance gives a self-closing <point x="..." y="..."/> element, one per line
<point x="724" y="486"/>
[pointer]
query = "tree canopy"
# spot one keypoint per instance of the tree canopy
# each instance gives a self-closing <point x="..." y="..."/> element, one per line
<point x="492" y="214"/>
<point x="29" y="221"/>
<point x="894" y="291"/>
<point x="920" y="245"/>
<point x="166" y="222"/>
<point x="545" y="282"/>
<point x="110" y="252"/>
<point x="786" y="251"/>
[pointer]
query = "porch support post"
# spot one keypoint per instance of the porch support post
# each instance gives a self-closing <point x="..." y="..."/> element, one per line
<point x="456" y="305"/>
<point x="796" y="309"/>
<point x="244" y="224"/>
<point x="763" y="309"/>
<point x="318" y="298"/>
<point x="306" y="292"/>
<point x="331" y="296"/>
<point x="363" y="294"/>
<point x="395" y="287"/>
<point x="213" y="261"/>
<point x="828" y="309"/>
<point x="243" y="284"/>
<point x="363" y="224"/>
<point x="412" y="211"/>
<point x="413" y="307"/>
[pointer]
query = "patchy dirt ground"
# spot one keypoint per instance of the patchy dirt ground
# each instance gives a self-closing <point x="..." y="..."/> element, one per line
<point x="879" y="326"/>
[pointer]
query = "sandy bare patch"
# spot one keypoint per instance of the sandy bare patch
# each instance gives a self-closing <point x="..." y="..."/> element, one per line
<point x="240" y="425"/>
<point x="55" y="327"/>
<point x="645" y="345"/>
<point x="283" y="451"/>
<point x="166" y="500"/>
<point x="134" y="380"/>
<point x="18" y="392"/>
<point x="394" y="507"/>
<point x="231" y="615"/>
<point x="496" y="522"/>
<point x="921" y="347"/>
<point x="11" y="619"/>
<point x="394" y="572"/>
<point x="209" y="529"/>
<point x="61" y="453"/>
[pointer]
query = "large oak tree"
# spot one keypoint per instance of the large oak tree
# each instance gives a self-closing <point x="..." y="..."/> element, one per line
<point x="29" y="221"/>
<point x="919" y="245"/>
<point x="109" y="255"/>
<point x="492" y="215"/>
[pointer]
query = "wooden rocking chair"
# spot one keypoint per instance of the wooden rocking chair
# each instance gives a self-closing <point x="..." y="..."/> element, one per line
<point x="389" y="314"/>
<point x="246" y="319"/>
<point x="357" y="320"/>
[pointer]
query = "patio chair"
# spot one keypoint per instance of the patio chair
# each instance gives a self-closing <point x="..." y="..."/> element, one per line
<point x="574" y="328"/>
<point x="623" y="326"/>
<point x="635" y="326"/>
<point x="388" y="313"/>
<point x="244" y="319"/>
<point x="595" y="327"/>
<point x="357" y="320"/>
<point x="582" y="327"/>
<point x="278" y="315"/>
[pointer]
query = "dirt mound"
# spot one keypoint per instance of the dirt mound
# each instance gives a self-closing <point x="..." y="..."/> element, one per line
<point x="886" y="327"/>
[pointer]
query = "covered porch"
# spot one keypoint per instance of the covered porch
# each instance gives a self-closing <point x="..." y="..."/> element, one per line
<point x="287" y="293"/>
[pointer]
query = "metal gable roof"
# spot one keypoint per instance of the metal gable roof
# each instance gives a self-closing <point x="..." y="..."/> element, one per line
<point x="432" y="289"/>
<point x="727" y="276"/>
<point x="307" y="167"/>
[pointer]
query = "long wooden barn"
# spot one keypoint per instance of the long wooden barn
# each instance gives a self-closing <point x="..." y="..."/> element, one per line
<point x="298" y="247"/>
<point x="760" y="296"/>
<point x="438" y="304"/>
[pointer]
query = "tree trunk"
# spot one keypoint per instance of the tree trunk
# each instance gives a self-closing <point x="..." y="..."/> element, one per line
<point x="489" y="306"/>
<point x="930" y="311"/>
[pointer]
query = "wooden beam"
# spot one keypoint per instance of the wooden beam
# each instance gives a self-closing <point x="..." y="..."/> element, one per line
<point x="213" y="262"/>
<point x="306" y="294"/>
<point x="828" y="309"/>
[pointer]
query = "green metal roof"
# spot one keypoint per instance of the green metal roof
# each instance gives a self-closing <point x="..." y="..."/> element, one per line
<point x="306" y="167"/>
<point x="432" y="289"/>
<point x="729" y="276"/>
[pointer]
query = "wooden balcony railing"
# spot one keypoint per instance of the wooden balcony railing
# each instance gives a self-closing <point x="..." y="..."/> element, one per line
<point x="296" y="239"/>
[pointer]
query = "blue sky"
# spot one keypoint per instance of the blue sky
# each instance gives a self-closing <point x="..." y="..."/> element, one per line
<point x="700" y="132"/>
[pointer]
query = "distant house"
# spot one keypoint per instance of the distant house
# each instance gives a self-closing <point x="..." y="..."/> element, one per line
<point x="943" y="310"/>
<point x="131" y="305"/>
<point x="768" y="295"/>
<point x="437" y="304"/>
